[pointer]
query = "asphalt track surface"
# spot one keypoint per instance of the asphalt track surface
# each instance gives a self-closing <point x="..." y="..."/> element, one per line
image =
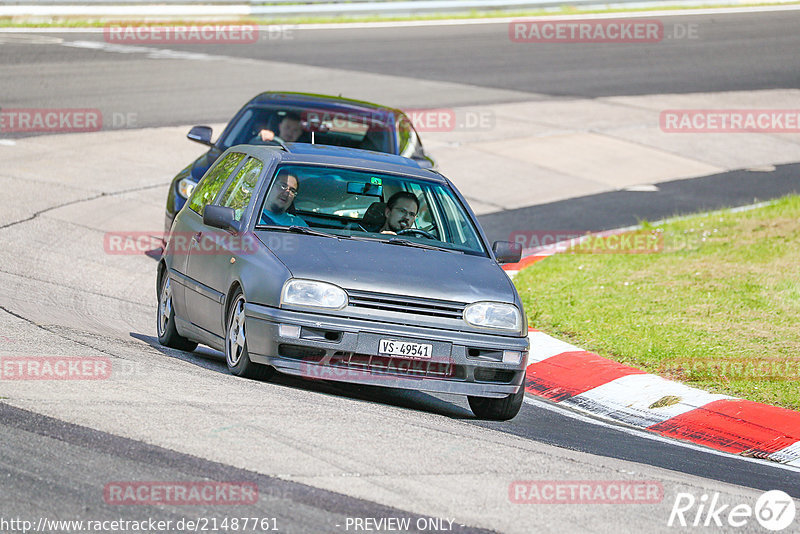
<point x="728" y="53"/>
<point x="723" y="53"/>
<point x="620" y="209"/>
<point x="55" y="468"/>
<point x="84" y="460"/>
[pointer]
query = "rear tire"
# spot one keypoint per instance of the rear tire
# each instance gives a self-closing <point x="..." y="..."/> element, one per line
<point x="497" y="409"/>
<point x="236" y="356"/>
<point x="165" y="321"/>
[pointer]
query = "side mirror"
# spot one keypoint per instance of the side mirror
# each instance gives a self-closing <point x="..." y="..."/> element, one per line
<point x="220" y="217"/>
<point x="200" y="134"/>
<point x="507" y="252"/>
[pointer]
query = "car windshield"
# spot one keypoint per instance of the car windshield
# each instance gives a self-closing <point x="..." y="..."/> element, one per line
<point x="348" y="128"/>
<point x="396" y="209"/>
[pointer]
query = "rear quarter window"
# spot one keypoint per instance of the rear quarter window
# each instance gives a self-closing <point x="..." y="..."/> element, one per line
<point x="208" y="188"/>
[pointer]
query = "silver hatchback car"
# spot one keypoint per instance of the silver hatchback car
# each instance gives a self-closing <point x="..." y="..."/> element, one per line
<point x="340" y="264"/>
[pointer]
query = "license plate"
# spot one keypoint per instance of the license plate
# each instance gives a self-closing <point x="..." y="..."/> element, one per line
<point x="405" y="349"/>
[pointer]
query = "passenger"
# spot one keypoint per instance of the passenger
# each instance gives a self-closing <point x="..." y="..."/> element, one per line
<point x="289" y="129"/>
<point x="401" y="212"/>
<point x="280" y="199"/>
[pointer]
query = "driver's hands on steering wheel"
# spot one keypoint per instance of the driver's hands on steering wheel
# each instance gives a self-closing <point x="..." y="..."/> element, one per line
<point x="267" y="135"/>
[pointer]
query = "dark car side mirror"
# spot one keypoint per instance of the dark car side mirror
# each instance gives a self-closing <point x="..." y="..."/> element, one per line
<point x="200" y="134"/>
<point x="507" y="252"/>
<point x="220" y="217"/>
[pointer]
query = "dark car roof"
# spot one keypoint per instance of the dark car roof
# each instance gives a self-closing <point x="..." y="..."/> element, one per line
<point x="341" y="156"/>
<point x="324" y="101"/>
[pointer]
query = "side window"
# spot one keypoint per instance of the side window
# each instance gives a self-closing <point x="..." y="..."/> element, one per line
<point x="424" y="220"/>
<point x="238" y="194"/>
<point x="212" y="182"/>
<point x="461" y="230"/>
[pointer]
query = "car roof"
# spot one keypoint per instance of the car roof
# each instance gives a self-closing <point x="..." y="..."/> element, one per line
<point x="289" y="98"/>
<point x="340" y="156"/>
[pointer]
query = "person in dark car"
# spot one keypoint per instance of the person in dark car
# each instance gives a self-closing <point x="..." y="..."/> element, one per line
<point x="401" y="212"/>
<point x="280" y="200"/>
<point x="289" y="129"/>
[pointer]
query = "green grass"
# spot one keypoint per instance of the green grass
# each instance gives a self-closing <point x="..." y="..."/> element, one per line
<point x="78" y="22"/>
<point x="717" y="308"/>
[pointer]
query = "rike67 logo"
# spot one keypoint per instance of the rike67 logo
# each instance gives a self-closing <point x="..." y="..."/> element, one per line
<point x="774" y="510"/>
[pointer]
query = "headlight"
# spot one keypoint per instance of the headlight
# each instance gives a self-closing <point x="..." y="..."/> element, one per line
<point x="497" y="315"/>
<point x="313" y="294"/>
<point x="185" y="187"/>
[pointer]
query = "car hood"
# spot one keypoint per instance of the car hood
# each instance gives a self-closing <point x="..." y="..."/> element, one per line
<point x="394" y="269"/>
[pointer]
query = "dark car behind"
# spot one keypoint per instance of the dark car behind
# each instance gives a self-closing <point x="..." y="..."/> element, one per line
<point x="328" y="120"/>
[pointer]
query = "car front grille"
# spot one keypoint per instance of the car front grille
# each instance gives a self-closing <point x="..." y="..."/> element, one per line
<point x="398" y="366"/>
<point x="405" y="304"/>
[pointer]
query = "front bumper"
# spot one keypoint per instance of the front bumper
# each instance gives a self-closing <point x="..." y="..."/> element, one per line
<point x="346" y="350"/>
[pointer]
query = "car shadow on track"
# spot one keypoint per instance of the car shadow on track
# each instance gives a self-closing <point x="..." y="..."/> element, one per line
<point x="213" y="360"/>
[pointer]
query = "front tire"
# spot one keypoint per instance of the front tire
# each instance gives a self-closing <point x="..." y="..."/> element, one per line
<point x="167" y="333"/>
<point x="236" y="355"/>
<point x="497" y="409"/>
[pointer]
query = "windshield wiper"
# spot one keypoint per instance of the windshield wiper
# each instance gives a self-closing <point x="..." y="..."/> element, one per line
<point x="300" y="230"/>
<point x="407" y="243"/>
<point x="310" y="231"/>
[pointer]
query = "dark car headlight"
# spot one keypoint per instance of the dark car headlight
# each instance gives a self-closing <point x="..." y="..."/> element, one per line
<point x="186" y="187"/>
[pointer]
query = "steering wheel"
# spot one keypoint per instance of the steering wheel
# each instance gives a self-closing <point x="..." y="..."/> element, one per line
<point x="276" y="141"/>
<point x="417" y="232"/>
<point x="355" y="226"/>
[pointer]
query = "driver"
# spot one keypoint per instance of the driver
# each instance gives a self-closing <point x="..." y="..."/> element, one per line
<point x="280" y="199"/>
<point x="289" y="129"/>
<point x="401" y="212"/>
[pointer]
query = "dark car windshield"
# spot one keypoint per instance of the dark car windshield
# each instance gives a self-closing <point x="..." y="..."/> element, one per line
<point x="356" y="204"/>
<point x="347" y="128"/>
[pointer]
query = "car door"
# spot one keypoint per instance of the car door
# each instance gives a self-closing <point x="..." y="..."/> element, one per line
<point x="215" y="250"/>
<point x="188" y="224"/>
